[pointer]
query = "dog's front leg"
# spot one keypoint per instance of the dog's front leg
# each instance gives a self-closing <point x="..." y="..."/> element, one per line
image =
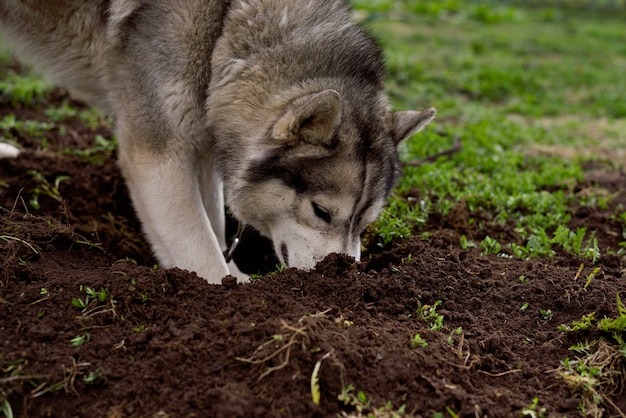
<point x="212" y="190"/>
<point x="166" y="194"/>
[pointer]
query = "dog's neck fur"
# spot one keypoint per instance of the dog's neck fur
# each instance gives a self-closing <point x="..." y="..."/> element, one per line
<point x="273" y="46"/>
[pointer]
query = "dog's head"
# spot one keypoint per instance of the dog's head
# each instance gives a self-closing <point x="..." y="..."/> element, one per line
<point x="320" y="174"/>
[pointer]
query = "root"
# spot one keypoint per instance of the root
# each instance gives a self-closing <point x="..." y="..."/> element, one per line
<point x="291" y="336"/>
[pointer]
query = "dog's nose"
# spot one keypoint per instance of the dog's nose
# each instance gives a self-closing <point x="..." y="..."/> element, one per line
<point x="284" y="253"/>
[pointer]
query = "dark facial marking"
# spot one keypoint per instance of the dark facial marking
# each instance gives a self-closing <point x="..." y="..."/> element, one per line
<point x="303" y="174"/>
<point x="321" y="213"/>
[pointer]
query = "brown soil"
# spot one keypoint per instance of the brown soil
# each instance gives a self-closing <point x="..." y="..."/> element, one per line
<point x="164" y="343"/>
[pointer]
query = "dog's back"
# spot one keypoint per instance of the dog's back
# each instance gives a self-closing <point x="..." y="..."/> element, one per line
<point x="63" y="39"/>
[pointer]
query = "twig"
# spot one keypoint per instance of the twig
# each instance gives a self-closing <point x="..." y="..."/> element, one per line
<point x="432" y="158"/>
<point x="8" y="237"/>
<point x="295" y="332"/>
<point x="500" y="374"/>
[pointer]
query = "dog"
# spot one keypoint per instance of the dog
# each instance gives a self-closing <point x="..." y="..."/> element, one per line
<point x="275" y="108"/>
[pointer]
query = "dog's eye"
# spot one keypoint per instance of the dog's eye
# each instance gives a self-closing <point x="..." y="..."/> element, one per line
<point x="321" y="213"/>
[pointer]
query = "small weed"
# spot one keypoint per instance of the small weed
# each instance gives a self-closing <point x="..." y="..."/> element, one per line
<point x="9" y="124"/>
<point x="418" y="342"/>
<point x="615" y="326"/>
<point x="95" y="301"/>
<point x="584" y="323"/>
<point x="533" y="410"/>
<point x="61" y="113"/>
<point x="573" y="242"/>
<point x="23" y="90"/>
<point x="363" y="408"/>
<point x="546" y="314"/>
<point x="278" y="268"/>
<point x="450" y="338"/>
<point x="45" y="188"/>
<point x="80" y="340"/>
<point x="5" y="406"/>
<point x="343" y="322"/>
<point x="466" y="243"/>
<point x="315" y="381"/>
<point x="140" y="328"/>
<point x="591" y="276"/>
<point x="582" y="347"/>
<point x="451" y="412"/>
<point x="429" y="314"/>
<point x="97" y="154"/>
<point x="93" y="378"/>
<point x="254" y="277"/>
<point x="490" y="246"/>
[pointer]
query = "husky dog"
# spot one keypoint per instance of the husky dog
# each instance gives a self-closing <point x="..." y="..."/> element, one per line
<point x="278" y="105"/>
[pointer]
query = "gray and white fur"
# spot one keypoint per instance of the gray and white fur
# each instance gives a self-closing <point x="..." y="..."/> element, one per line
<point x="274" y="107"/>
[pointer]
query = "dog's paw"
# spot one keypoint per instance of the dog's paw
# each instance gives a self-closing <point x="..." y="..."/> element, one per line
<point x="8" y="150"/>
<point x="234" y="271"/>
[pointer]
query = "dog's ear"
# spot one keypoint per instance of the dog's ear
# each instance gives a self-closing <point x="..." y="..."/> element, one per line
<point x="312" y="118"/>
<point x="405" y="123"/>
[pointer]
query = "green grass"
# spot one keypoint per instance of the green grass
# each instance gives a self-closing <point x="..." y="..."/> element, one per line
<point x="531" y="92"/>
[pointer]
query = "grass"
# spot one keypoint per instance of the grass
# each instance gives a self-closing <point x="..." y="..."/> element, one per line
<point x="530" y="91"/>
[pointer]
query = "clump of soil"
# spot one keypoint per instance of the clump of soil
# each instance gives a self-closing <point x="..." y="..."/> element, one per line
<point x="88" y="327"/>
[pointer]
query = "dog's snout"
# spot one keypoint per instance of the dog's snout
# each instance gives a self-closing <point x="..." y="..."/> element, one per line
<point x="285" y="253"/>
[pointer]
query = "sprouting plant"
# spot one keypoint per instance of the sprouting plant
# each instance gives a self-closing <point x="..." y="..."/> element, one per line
<point x="573" y="242"/>
<point x="466" y="243"/>
<point x="97" y="154"/>
<point x="457" y="331"/>
<point x="490" y="246"/>
<point x="546" y="314"/>
<point x="429" y="313"/>
<point x="139" y="328"/>
<point x="591" y="276"/>
<point x="80" y="340"/>
<point x="418" y="342"/>
<point x="615" y="326"/>
<point x="279" y="268"/>
<point x="45" y="188"/>
<point x="5" y="406"/>
<point x="23" y="90"/>
<point x="95" y="297"/>
<point x="584" y="323"/>
<point x="94" y="377"/>
<point x="359" y="401"/>
<point x="363" y="408"/>
<point x="315" y="380"/>
<point x="533" y="410"/>
<point x="582" y="347"/>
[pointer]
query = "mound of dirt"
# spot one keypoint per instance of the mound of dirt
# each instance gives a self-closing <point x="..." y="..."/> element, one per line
<point x="89" y="328"/>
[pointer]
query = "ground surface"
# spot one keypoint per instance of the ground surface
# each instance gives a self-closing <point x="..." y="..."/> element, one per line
<point x="164" y="343"/>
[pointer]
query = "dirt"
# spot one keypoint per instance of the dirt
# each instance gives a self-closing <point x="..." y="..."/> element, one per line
<point x="160" y="343"/>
